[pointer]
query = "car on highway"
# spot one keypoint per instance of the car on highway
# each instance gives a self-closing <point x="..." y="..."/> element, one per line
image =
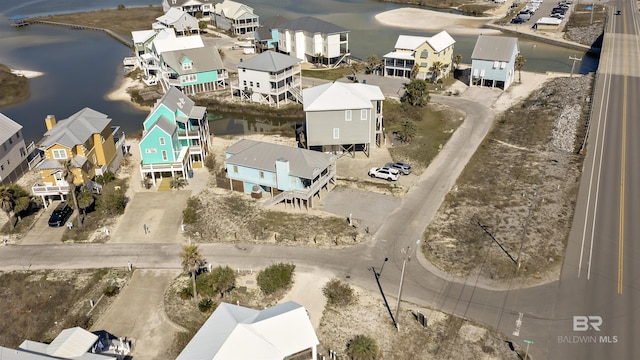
<point x="403" y="168"/>
<point x="384" y="173"/>
<point x="618" y="12"/>
<point x="60" y="214"/>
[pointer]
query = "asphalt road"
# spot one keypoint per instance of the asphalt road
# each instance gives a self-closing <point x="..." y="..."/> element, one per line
<point x="600" y="271"/>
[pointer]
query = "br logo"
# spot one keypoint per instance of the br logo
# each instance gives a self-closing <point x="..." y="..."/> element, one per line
<point x="586" y="323"/>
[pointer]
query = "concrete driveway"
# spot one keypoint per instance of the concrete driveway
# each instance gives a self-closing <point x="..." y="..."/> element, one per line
<point x="41" y="232"/>
<point x="139" y="314"/>
<point x="160" y="211"/>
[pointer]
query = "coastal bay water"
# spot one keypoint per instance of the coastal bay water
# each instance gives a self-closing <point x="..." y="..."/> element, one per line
<point x="80" y="67"/>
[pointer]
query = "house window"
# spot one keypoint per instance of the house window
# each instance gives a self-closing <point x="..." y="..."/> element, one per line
<point x="336" y="133"/>
<point x="235" y="169"/>
<point x="363" y="114"/>
<point x="503" y="65"/>
<point x="58" y="176"/>
<point x="244" y="82"/>
<point x="161" y="141"/>
<point x="17" y="135"/>
<point x="258" y="85"/>
<point x="261" y="173"/>
<point x="187" y="66"/>
<point x="1" y="167"/>
<point x="495" y="64"/>
<point x="95" y="159"/>
<point x="347" y="115"/>
<point x="482" y="73"/>
<point x="251" y="83"/>
<point x="424" y="54"/>
<point x="164" y="155"/>
<point x="23" y="152"/>
<point x="59" y="153"/>
<point x="150" y="151"/>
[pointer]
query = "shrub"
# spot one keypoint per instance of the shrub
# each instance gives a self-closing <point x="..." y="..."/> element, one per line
<point x="121" y="7"/>
<point x="186" y="293"/>
<point x="338" y="293"/>
<point x="275" y="277"/>
<point x="205" y="305"/>
<point x="210" y="163"/>
<point x="111" y="290"/>
<point x="105" y="178"/>
<point x="112" y="204"/>
<point x="190" y="213"/>
<point x="363" y="347"/>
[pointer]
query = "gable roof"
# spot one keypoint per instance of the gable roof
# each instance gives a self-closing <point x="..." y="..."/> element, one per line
<point x="203" y="59"/>
<point x="340" y="96"/>
<point x="312" y="25"/>
<point x="274" y="21"/>
<point x="189" y="2"/>
<point x="73" y="343"/>
<point x="175" y="100"/>
<point x="8" y="128"/>
<point x="162" y="45"/>
<point x="236" y="332"/>
<point x="172" y="16"/>
<point x="142" y="36"/>
<point x="409" y="42"/>
<point x="440" y="41"/>
<point x="303" y="163"/>
<point x="76" y="129"/>
<point x="232" y="9"/>
<point x="495" y="48"/>
<point x="269" y="61"/>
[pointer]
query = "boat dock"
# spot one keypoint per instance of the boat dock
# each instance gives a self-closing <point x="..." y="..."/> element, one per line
<point x="120" y="38"/>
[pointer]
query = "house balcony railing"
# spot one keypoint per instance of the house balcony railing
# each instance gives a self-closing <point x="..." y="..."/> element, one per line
<point x="188" y="134"/>
<point x="195" y="149"/>
<point x="177" y="166"/>
<point x="44" y="190"/>
<point x="305" y="193"/>
<point x="285" y="74"/>
<point x="296" y="83"/>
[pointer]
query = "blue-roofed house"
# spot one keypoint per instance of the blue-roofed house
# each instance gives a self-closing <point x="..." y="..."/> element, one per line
<point x="493" y="61"/>
<point x="283" y="331"/>
<point x="313" y="40"/>
<point x="269" y="78"/>
<point x="287" y="173"/>
<point x="175" y="137"/>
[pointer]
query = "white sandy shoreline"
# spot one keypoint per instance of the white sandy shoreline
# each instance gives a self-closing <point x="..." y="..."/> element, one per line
<point x="435" y="21"/>
<point x="27" y="73"/>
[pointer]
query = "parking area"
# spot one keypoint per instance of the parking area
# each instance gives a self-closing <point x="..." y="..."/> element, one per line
<point x="534" y="10"/>
<point x="41" y="232"/>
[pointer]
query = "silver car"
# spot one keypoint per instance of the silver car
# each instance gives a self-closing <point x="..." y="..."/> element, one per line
<point x="403" y="168"/>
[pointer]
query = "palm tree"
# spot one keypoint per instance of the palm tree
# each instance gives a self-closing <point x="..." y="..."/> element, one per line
<point x="436" y="69"/>
<point x="457" y="60"/>
<point x="191" y="261"/>
<point x="7" y="202"/>
<point x="363" y="347"/>
<point x="69" y="176"/>
<point x="520" y="61"/>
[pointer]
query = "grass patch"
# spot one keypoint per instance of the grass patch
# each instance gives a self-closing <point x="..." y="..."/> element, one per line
<point x="328" y="74"/>
<point x="580" y="17"/>
<point x="13" y="88"/>
<point x="39" y="304"/>
<point x="435" y="125"/>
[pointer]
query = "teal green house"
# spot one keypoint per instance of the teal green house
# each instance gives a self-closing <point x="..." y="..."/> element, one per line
<point x="175" y="138"/>
<point x="194" y="70"/>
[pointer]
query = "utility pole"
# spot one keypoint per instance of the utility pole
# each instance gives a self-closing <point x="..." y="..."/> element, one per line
<point x="407" y="257"/>
<point x="377" y="276"/>
<point x="515" y="262"/>
<point x="573" y="65"/>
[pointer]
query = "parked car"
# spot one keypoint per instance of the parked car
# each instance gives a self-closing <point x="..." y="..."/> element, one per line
<point x="517" y="20"/>
<point x="403" y="168"/>
<point x="557" y="16"/>
<point x="384" y="173"/>
<point x="60" y="214"/>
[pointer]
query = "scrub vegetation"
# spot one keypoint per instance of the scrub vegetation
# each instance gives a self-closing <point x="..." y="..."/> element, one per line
<point x="13" y="88"/>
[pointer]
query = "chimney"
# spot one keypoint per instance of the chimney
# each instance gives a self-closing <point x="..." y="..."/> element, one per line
<point x="50" y="121"/>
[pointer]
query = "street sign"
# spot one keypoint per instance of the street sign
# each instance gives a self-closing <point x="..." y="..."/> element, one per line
<point x="528" y="342"/>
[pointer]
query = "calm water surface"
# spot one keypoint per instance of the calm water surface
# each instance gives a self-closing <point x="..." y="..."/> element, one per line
<point x="81" y="66"/>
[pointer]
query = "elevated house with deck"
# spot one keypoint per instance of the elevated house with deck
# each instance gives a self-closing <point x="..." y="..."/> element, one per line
<point x="313" y="40"/>
<point x="266" y="37"/>
<point x="343" y="117"/>
<point x="192" y="7"/>
<point x="193" y="71"/>
<point x="13" y="152"/>
<point x="287" y="174"/>
<point x="179" y="20"/>
<point x="236" y="17"/>
<point x="493" y="61"/>
<point x="86" y="139"/>
<point x="419" y="54"/>
<point x="175" y="138"/>
<point x="269" y="78"/>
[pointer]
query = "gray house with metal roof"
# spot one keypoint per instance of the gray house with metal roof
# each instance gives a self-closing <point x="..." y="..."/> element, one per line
<point x="269" y="78"/>
<point x="343" y="117"/>
<point x="313" y="40"/>
<point x="13" y="153"/>
<point x="289" y="174"/>
<point x="493" y="61"/>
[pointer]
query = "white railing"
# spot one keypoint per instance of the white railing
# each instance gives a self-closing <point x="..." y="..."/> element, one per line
<point x="38" y="189"/>
<point x="161" y="167"/>
<point x="302" y="193"/>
